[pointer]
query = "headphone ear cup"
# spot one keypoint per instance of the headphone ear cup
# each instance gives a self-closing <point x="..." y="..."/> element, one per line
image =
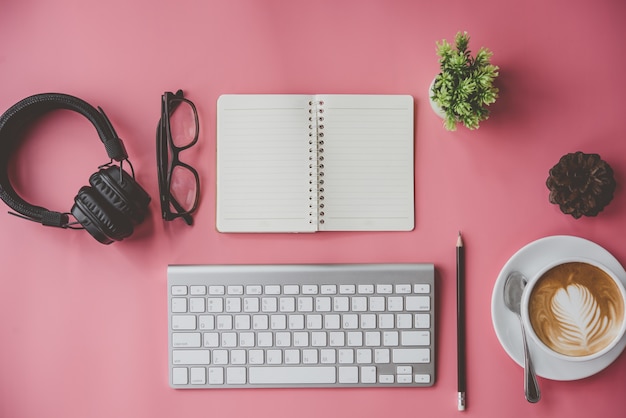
<point x="100" y="219"/>
<point x="122" y="192"/>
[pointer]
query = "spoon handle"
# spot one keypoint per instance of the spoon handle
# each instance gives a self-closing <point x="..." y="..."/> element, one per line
<point x="531" y="387"/>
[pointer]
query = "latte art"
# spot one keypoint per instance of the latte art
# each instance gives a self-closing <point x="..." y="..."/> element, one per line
<point x="576" y="309"/>
<point x="581" y="326"/>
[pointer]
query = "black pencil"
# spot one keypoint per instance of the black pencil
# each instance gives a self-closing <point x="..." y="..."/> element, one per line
<point x="460" y="321"/>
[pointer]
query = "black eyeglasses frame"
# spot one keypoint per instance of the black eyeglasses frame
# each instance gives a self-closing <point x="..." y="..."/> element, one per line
<point x="165" y="167"/>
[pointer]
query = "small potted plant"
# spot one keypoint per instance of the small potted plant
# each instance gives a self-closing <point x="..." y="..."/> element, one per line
<point x="464" y="88"/>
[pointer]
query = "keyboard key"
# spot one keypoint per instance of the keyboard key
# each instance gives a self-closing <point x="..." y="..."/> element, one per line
<point x="417" y="303"/>
<point x="186" y="339"/>
<point x="384" y="289"/>
<point x="381" y="356"/>
<point x="422" y="378"/>
<point x="197" y="290"/>
<point x="305" y="304"/>
<point x="328" y="289"/>
<point x="198" y="376"/>
<point x="332" y="321"/>
<point x="341" y="304"/>
<point x="256" y="356"/>
<point x="206" y="322"/>
<point x="301" y="339"/>
<point x="234" y="290"/>
<point x="179" y="305"/>
<point x="404" y="321"/>
<point x="386" y="378"/>
<point x="372" y="339"/>
<point x="269" y="305"/>
<point x="350" y="321"/>
<point x="251" y="305"/>
<point x="220" y="357"/>
<point x="403" y="288"/>
<point x="254" y="290"/>
<point x="196" y="305"/>
<point x="377" y="304"/>
<point x="318" y="339"/>
<point x="278" y="321"/>
<point x="236" y="375"/>
<point x="272" y="290"/>
<point x="178" y="291"/>
<point x="211" y="339"/>
<point x="296" y="321"/>
<point x="422" y="320"/>
<point x="395" y="304"/>
<point x="368" y="374"/>
<point x="348" y="374"/>
<point x="359" y="304"/>
<point x="292" y="375"/>
<point x="349" y="289"/>
<point x="260" y="322"/>
<point x="327" y="355"/>
<point x="216" y="290"/>
<point x="322" y="304"/>
<point x="421" y="288"/>
<point x="411" y="355"/>
<point x="183" y="322"/>
<point x="309" y="289"/>
<point x="404" y="378"/>
<point x="242" y="322"/>
<point x="216" y="376"/>
<point x="287" y="304"/>
<point x="233" y="305"/>
<point x="415" y="338"/>
<point x="190" y="356"/>
<point x="224" y="322"/>
<point x="292" y="289"/>
<point x="309" y="356"/>
<point x="214" y="305"/>
<point x="292" y="356"/>
<point x="365" y="289"/>
<point x="179" y="376"/>
<point x="229" y="340"/>
<point x="314" y="321"/>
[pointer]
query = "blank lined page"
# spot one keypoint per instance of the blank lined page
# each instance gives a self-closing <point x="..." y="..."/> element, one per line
<point x="262" y="164"/>
<point x="368" y="162"/>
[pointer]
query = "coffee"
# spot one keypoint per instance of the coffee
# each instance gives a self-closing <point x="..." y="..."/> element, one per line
<point x="576" y="309"/>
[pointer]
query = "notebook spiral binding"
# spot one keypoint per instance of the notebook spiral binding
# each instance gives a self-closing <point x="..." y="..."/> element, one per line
<point x="316" y="161"/>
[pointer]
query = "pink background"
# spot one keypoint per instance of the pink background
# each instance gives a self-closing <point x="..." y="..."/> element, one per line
<point x="83" y="326"/>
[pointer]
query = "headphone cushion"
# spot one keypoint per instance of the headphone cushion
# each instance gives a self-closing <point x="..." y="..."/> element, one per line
<point x="99" y="218"/>
<point x="122" y="192"/>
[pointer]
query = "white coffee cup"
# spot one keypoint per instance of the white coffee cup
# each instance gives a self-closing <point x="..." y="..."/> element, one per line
<point x="575" y="309"/>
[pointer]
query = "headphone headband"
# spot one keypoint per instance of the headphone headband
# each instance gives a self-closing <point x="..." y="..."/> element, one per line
<point x="18" y="117"/>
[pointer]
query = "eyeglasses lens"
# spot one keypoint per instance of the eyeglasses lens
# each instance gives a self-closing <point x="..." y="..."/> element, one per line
<point x="183" y="188"/>
<point x="183" y="127"/>
<point x="184" y="131"/>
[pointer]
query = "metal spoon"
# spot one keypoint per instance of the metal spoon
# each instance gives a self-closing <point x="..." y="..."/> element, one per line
<point x="513" y="288"/>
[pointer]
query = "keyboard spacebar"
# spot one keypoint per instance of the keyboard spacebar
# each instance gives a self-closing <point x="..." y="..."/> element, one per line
<point x="291" y="375"/>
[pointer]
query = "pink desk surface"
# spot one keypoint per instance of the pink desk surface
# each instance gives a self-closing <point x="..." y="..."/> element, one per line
<point x="83" y="326"/>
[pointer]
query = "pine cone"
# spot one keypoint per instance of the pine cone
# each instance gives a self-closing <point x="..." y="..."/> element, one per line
<point x="581" y="184"/>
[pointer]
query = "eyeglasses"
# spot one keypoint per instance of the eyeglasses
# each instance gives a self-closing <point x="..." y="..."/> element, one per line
<point x="179" y="183"/>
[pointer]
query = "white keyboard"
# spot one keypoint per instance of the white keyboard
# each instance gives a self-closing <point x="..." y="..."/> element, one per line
<point x="345" y="325"/>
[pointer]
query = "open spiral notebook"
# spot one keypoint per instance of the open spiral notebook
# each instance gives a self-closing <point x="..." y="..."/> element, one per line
<point x="301" y="163"/>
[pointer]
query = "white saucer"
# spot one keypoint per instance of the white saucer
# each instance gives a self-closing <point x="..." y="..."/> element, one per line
<point x="528" y="260"/>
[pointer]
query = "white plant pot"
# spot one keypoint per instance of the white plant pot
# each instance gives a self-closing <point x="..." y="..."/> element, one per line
<point x="436" y="108"/>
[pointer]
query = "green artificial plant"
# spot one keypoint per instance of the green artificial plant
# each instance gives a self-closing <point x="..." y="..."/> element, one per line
<point x="464" y="87"/>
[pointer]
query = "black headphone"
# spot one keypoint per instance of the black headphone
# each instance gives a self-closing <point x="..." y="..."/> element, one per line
<point x="113" y="203"/>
